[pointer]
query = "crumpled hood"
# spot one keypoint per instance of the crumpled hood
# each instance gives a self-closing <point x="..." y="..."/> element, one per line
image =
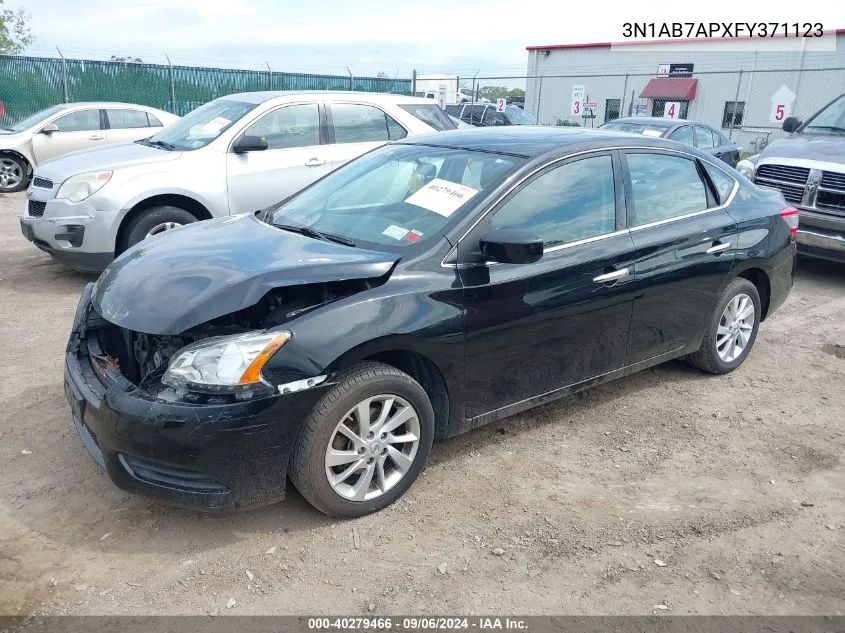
<point x="190" y="275"/>
<point x="821" y="147"/>
<point x="106" y="157"/>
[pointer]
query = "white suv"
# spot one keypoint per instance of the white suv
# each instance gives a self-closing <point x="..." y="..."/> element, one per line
<point x="235" y="154"/>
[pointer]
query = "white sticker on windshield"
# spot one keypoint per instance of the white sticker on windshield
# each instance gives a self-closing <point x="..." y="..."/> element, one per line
<point x="655" y="133"/>
<point x="441" y="196"/>
<point x="396" y="232"/>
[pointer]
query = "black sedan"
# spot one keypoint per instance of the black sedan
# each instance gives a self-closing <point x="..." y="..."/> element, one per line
<point x="698" y="135"/>
<point x="428" y="287"/>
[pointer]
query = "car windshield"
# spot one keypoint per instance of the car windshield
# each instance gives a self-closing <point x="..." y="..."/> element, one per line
<point x="518" y="116"/>
<point x="431" y="114"/>
<point x="34" y="119"/>
<point x="396" y="196"/>
<point x="201" y="126"/>
<point x="637" y="127"/>
<point x="831" y="119"/>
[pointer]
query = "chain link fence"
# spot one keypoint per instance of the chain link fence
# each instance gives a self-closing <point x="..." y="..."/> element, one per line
<point x="739" y="103"/>
<point x="32" y="83"/>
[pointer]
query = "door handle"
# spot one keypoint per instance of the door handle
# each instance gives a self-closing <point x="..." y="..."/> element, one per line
<point x="718" y="247"/>
<point x="96" y="137"/>
<point x="612" y="276"/>
<point x="314" y="162"/>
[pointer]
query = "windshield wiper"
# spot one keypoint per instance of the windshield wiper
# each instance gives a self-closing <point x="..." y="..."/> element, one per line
<point x="317" y="235"/>
<point x="831" y="128"/>
<point x="157" y="143"/>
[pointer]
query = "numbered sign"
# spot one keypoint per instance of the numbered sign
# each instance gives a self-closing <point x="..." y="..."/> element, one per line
<point x="441" y="97"/>
<point x="577" y="106"/>
<point x="782" y="102"/>
<point x="672" y="110"/>
<point x="500" y="105"/>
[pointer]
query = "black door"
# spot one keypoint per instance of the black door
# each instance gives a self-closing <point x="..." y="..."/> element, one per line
<point x="535" y="328"/>
<point x="685" y="245"/>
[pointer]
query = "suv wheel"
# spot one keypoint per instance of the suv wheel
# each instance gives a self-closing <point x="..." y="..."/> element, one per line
<point x="364" y="443"/>
<point x="13" y="174"/>
<point x="154" y="221"/>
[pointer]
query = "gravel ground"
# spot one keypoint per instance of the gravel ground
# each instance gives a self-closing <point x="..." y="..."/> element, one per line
<point x="669" y="491"/>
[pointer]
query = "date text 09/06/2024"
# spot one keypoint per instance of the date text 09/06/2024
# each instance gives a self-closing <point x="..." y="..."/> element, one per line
<point x="416" y="623"/>
<point x="674" y="30"/>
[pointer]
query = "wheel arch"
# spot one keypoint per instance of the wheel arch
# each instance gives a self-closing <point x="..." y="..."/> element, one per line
<point x="417" y="365"/>
<point x="30" y="167"/>
<point x="192" y="206"/>
<point x="761" y="281"/>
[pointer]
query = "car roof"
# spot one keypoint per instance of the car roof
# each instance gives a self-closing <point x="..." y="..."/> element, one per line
<point x="653" y="120"/>
<point x="374" y="97"/>
<point x="104" y="104"/>
<point x="530" y="141"/>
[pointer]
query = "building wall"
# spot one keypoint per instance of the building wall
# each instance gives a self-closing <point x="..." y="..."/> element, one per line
<point x="610" y="73"/>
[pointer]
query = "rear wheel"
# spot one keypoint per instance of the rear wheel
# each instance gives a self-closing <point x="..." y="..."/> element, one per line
<point x="155" y="221"/>
<point x="364" y="443"/>
<point x="13" y="173"/>
<point x="732" y="329"/>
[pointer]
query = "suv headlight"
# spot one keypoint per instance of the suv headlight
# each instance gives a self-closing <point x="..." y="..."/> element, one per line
<point x="224" y="364"/>
<point x="77" y="188"/>
<point x="746" y="168"/>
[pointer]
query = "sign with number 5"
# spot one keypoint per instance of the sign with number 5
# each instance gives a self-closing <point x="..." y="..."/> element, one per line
<point x="672" y="110"/>
<point x="782" y="102"/>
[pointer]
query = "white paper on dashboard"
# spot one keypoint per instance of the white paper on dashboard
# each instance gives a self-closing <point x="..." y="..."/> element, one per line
<point x="441" y="196"/>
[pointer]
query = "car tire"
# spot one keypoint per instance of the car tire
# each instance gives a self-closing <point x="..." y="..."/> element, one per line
<point x="155" y="220"/>
<point x="722" y="350"/>
<point x="379" y="386"/>
<point x="13" y="166"/>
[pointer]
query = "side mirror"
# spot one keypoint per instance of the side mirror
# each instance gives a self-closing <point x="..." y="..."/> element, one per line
<point x="248" y="143"/>
<point x="49" y="128"/>
<point x="791" y="123"/>
<point x="511" y="246"/>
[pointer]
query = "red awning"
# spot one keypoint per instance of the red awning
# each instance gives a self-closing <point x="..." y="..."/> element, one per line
<point x="682" y="88"/>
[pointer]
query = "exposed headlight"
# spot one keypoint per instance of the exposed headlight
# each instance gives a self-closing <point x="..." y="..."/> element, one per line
<point x="77" y="188"/>
<point x="224" y="364"/>
<point x="746" y="168"/>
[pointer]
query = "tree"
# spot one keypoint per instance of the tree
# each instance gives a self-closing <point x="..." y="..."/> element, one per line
<point x="15" y="34"/>
<point x="128" y="59"/>
<point x="517" y="94"/>
<point x="493" y="92"/>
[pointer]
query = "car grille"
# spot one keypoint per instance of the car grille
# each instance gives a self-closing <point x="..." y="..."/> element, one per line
<point x="790" y="181"/>
<point x="169" y="476"/>
<point x="44" y="183"/>
<point x="35" y="208"/>
<point x="831" y="196"/>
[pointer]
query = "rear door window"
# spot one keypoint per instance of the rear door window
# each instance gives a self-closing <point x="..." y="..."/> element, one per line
<point x="683" y="135"/>
<point x="664" y="187"/>
<point x="124" y="119"/>
<point x="431" y="115"/>
<point x="704" y="137"/>
<point x="355" y="123"/>
<point x="723" y="183"/>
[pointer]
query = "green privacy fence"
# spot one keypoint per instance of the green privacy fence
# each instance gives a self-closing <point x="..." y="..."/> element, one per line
<point x="28" y="84"/>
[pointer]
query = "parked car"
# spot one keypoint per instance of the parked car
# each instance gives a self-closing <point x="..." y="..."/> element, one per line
<point x="69" y="127"/>
<point x="485" y="114"/>
<point x="808" y="168"/>
<point x="433" y="285"/>
<point x="698" y="135"/>
<point x="234" y="154"/>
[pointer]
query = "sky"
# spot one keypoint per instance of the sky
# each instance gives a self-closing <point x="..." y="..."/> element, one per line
<point x="395" y="36"/>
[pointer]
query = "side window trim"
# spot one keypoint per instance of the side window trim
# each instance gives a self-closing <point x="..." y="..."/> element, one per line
<point x="705" y="181"/>
<point x="330" y="121"/>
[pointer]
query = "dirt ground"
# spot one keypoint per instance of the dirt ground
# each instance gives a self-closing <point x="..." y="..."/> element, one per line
<point x="666" y="492"/>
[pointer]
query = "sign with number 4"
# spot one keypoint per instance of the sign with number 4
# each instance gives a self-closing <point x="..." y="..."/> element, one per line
<point x="672" y="110"/>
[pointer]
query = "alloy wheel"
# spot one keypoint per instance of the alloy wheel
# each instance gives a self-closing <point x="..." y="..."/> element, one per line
<point x="161" y="228"/>
<point x="735" y="327"/>
<point x="372" y="447"/>
<point x="11" y="174"/>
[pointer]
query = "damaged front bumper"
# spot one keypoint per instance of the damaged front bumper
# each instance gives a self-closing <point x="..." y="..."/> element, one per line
<point x="212" y="457"/>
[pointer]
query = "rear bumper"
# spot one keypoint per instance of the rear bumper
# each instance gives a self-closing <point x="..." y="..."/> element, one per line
<point x="207" y="457"/>
<point x="821" y="235"/>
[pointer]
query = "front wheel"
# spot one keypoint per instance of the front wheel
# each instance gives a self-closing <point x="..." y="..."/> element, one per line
<point x="364" y="443"/>
<point x="732" y="329"/>
<point x="154" y="221"/>
<point x="13" y="174"/>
